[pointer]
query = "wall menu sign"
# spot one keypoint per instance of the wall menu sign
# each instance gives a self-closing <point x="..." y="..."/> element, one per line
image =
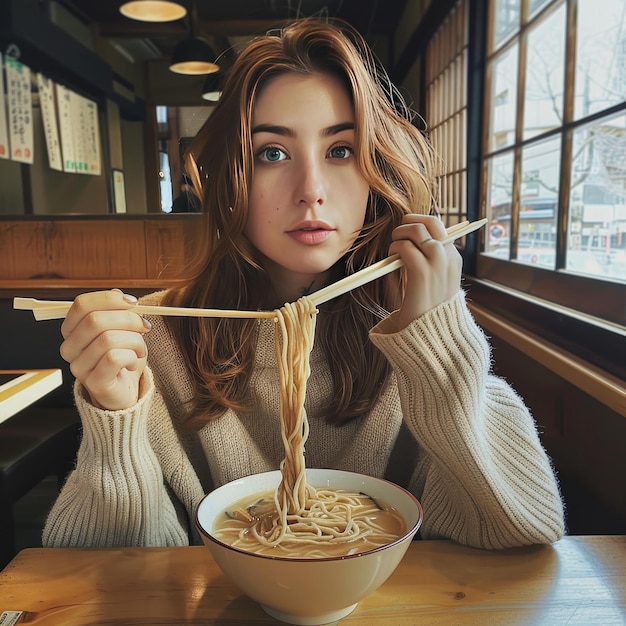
<point x="119" y="195"/>
<point x="64" y="106"/>
<point x="88" y="135"/>
<point x="79" y="131"/>
<point x="70" y="122"/>
<point x="20" y="111"/>
<point x="4" y="131"/>
<point x="49" y="116"/>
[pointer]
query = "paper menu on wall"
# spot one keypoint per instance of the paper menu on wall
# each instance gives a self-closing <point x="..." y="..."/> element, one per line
<point x="20" y="111"/>
<point x="79" y="131"/>
<point x="64" y="106"/>
<point x="49" y="116"/>
<point x="87" y="139"/>
<point x="4" y="131"/>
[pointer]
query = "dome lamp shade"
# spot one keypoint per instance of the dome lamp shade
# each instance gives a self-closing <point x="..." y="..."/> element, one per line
<point x="193" y="56"/>
<point x="153" y="10"/>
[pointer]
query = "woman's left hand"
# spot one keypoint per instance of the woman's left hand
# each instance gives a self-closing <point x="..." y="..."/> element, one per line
<point x="433" y="270"/>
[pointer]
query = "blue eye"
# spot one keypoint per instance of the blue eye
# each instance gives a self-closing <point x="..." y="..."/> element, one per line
<point x="341" y="152"/>
<point x="272" y="154"/>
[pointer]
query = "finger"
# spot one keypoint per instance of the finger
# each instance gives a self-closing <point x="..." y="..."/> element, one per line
<point x="97" y="323"/>
<point x="95" y="301"/>
<point x="417" y="233"/>
<point x="433" y="224"/>
<point x="419" y="253"/>
<point x="418" y="242"/>
<point x="102" y="380"/>
<point x="82" y="362"/>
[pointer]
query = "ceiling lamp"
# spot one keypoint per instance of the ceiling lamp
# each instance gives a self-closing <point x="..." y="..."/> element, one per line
<point x="193" y="56"/>
<point x="212" y="88"/>
<point x="153" y="10"/>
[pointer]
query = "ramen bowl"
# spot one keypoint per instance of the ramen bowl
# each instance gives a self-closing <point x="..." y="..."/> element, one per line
<point x="308" y="591"/>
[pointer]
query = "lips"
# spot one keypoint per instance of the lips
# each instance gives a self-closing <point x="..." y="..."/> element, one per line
<point x="311" y="233"/>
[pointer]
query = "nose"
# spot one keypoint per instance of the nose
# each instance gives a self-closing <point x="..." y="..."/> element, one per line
<point x="310" y="188"/>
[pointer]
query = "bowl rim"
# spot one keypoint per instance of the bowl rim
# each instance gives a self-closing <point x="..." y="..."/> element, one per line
<point x="409" y="532"/>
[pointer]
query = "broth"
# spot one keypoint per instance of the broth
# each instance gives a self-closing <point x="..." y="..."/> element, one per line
<point x="333" y="523"/>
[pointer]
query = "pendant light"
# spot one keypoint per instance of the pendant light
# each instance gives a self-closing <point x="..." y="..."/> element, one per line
<point x="153" y="10"/>
<point x="212" y="88"/>
<point x="193" y="55"/>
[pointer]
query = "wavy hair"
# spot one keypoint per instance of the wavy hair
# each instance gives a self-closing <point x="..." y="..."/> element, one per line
<point x="394" y="158"/>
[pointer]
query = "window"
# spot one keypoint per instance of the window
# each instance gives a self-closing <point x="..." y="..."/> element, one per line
<point x="554" y="150"/>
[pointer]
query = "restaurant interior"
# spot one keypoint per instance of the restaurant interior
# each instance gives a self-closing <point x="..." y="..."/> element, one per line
<point x="94" y="160"/>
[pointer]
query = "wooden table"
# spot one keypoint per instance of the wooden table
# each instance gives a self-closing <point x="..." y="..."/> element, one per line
<point x="579" y="580"/>
<point x="21" y="388"/>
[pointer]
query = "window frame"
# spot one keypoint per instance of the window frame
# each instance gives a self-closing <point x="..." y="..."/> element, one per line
<point x="596" y="297"/>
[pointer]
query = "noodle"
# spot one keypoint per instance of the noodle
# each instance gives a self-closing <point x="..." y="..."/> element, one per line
<point x="297" y="518"/>
<point x="297" y="325"/>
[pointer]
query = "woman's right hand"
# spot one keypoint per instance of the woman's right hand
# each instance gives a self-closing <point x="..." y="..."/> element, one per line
<point x="105" y="347"/>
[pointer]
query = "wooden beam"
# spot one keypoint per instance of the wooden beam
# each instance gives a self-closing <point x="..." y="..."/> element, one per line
<point x="604" y="387"/>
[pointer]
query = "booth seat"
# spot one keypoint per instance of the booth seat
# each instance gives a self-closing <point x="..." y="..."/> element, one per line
<point x="42" y="440"/>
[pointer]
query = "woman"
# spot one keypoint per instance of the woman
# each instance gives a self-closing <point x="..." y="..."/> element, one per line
<point x="309" y="169"/>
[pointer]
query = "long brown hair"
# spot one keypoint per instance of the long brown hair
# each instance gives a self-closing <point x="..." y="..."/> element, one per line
<point x="394" y="158"/>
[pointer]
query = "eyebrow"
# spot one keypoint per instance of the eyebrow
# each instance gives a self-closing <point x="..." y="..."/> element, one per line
<point x="288" y="132"/>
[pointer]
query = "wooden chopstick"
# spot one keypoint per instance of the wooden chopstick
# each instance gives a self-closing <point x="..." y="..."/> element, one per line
<point x="386" y="266"/>
<point x="462" y="229"/>
<point x="456" y="227"/>
<point x="54" y="309"/>
<point x="57" y="309"/>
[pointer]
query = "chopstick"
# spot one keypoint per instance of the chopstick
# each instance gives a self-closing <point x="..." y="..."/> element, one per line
<point x="57" y="309"/>
<point x="386" y="266"/>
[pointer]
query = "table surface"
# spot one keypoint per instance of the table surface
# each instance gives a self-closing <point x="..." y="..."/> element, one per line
<point x="579" y="580"/>
<point x="21" y="388"/>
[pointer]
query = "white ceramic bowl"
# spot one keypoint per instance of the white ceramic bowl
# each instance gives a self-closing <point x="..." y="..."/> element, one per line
<point x="308" y="592"/>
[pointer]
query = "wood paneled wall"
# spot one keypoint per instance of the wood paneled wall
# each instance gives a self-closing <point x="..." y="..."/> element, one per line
<point x="112" y="248"/>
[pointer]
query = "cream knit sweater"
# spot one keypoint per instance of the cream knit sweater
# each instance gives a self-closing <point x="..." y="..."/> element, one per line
<point x="468" y="449"/>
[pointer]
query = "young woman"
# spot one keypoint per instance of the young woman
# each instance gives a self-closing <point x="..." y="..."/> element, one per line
<point x="309" y="169"/>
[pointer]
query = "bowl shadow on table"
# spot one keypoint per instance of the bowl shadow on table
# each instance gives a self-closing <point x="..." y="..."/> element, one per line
<point x="244" y="607"/>
<point x="244" y="610"/>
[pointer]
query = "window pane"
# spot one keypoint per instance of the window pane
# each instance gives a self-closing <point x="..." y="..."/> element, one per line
<point x="506" y="20"/>
<point x="539" y="194"/>
<point x="600" y="55"/>
<point x="597" y="220"/>
<point x="503" y="99"/>
<point x="500" y="194"/>
<point x="535" y="5"/>
<point x="545" y="69"/>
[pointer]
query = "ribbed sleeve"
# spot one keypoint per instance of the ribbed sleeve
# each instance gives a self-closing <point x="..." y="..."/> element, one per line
<point x="484" y="478"/>
<point x="116" y="495"/>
